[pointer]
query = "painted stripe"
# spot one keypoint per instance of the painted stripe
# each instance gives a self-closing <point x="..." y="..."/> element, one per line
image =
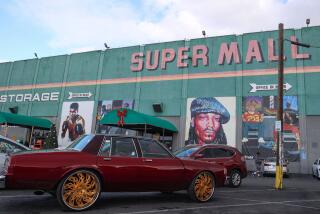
<point x="207" y="75"/>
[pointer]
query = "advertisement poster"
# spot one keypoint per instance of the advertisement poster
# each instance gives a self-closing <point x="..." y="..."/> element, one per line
<point x="76" y="120"/>
<point x="258" y="127"/>
<point x="106" y="106"/>
<point x="211" y="120"/>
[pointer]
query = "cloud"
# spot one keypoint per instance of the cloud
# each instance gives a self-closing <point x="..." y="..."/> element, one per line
<point x="74" y="24"/>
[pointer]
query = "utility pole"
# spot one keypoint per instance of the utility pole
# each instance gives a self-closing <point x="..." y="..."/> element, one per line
<point x="279" y="174"/>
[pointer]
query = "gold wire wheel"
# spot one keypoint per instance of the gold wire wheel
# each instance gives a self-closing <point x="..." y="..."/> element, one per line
<point x="203" y="186"/>
<point x="80" y="190"/>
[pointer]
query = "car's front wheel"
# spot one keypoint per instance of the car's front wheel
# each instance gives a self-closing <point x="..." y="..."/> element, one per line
<point x="79" y="190"/>
<point x="235" y="178"/>
<point x="202" y="187"/>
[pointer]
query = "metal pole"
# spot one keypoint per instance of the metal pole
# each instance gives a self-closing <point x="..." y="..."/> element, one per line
<point x="162" y="135"/>
<point x="279" y="178"/>
<point x="30" y="138"/>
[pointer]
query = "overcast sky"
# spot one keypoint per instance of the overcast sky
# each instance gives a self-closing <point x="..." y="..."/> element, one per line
<point x="56" y="27"/>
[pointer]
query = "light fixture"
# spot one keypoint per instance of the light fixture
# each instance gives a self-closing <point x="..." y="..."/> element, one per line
<point x="14" y="109"/>
<point x="307" y="22"/>
<point x="106" y="46"/>
<point x="157" y="107"/>
<point x="204" y="33"/>
<point x="36" y="55"/>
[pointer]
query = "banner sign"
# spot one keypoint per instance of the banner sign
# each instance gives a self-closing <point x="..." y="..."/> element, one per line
<point x="269" y="87"/>
<point x="79" y="95"/>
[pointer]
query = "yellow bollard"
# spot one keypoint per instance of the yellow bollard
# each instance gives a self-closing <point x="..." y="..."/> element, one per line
<point x="279" y="177"/>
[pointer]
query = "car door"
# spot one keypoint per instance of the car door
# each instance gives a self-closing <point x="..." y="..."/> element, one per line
<point x="161" y="171"/>
<point x="120" y="164"/>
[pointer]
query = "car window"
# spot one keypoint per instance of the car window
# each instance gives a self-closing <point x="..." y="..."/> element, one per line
<point x="6" y="147"/>
<point x="185" y="152"/>
<point x="106" y="148"/>
<point x="152" y="149"/>
<point x="216" y="153"/>
<point x="123" y="147"/>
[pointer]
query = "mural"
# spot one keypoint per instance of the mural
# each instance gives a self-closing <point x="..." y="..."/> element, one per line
<point x="211" y="120"/>
<point x="106" y="106"/>
<point x="76" y="120"/>
<point x="258" y="125"/>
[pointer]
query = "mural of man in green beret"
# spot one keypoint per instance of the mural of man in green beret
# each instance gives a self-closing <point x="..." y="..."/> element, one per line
<point x="207" y="117"/>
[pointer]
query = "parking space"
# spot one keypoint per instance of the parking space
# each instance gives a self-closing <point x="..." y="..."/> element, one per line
<point x="301" y="194"/>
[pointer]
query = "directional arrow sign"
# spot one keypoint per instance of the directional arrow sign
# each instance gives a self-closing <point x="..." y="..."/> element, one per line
<point x="269" y="87"/>
<point x="79" y="95"/>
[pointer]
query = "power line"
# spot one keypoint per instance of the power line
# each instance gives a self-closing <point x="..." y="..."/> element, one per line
<point x="302" y="44"/>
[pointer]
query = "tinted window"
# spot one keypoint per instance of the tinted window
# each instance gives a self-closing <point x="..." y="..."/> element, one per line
<point x="152" y="149"/>
<point x="81" y="142"/>
<point x="216" y="153"/>
<point x="185" y="152"/>
<point x="123" y="147"/>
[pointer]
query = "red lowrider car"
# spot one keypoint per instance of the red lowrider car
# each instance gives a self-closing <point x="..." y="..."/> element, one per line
<point x="98" y="163"/>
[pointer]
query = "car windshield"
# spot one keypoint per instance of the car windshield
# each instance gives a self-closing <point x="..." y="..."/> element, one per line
<point x="80" y="143"/>
<point x="185" y="152"/>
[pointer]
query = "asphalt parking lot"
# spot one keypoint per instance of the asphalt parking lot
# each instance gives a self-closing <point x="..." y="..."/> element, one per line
<point x="301" y="194"/>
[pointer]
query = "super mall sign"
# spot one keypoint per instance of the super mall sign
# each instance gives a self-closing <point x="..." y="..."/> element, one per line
<point x="228" y="53"/>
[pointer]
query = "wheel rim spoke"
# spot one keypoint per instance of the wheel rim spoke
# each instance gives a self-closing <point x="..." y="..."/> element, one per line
<point x="80" y="190"/>
<point x="203" y="186"/>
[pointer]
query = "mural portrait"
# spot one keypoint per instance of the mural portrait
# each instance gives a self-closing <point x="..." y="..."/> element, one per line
<point x="106" y="106"/>
<point x="258" y="127"/>
<point x="211" y="120"/>
<point x="76" y="120"/>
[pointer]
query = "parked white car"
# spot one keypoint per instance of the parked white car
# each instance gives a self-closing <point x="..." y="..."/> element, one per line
<point x="316" y="169"/>
<point x="269" y="167"/>
<point x="8" y="146"/>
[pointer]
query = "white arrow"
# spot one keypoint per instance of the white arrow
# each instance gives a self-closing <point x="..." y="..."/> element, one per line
<point x="79" y="95"/>
<point x="287" y="86"/>
<point x="269" y="87"/>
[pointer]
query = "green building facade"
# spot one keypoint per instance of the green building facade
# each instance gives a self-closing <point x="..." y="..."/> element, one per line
<point x="238" y="71"/>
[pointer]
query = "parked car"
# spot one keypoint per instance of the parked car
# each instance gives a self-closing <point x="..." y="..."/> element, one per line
<point x="269" y="167"/>
<point x="8" y="146"/>
<point x="227" y="156"/>
<point x="316" y="169"/>
<point x="108" y="163"/>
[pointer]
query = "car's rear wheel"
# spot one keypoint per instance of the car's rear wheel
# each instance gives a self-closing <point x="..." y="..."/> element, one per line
<point x="235" y="178"/>
<point x="202" y="187"/>
<point x="79" y="190"/>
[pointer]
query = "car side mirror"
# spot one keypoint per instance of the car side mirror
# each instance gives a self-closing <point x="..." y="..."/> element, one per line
<point x="198" y="156"/>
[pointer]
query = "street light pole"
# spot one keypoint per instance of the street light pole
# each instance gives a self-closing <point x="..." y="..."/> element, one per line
<point x="279" y="175"/>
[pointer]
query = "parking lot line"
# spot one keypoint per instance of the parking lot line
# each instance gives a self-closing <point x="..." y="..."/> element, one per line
<point x="228" y="206"/>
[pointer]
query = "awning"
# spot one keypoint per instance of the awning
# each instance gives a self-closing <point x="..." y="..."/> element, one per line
<point x="25" y="121"/>
<point x="138" y="121"/>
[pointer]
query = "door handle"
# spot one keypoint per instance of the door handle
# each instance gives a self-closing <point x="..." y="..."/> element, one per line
<point x="107" y="159"/>
<point x="147" y="160"/>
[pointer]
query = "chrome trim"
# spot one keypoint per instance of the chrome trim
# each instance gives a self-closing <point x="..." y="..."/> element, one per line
<point x="2" y="182"/>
